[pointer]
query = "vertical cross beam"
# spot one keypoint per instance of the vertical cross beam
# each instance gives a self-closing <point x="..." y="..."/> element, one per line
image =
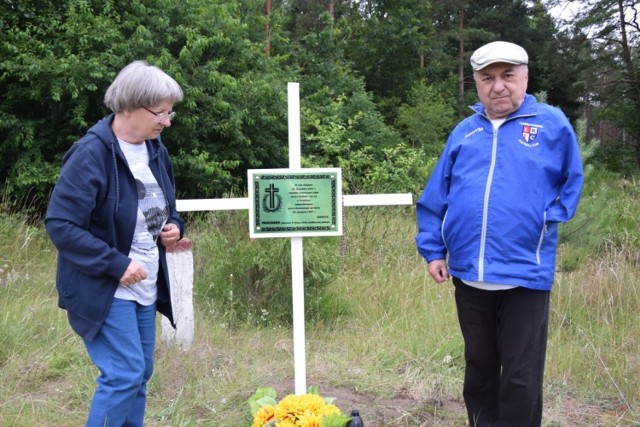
<point x="297" y="263"/>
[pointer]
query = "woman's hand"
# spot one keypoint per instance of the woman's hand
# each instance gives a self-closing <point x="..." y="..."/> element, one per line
<point x="134" y="274"/>
<point x="169" y="235"/>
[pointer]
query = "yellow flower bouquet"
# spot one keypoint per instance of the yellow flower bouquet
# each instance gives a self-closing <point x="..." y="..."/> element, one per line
<point x="306" y="410"/>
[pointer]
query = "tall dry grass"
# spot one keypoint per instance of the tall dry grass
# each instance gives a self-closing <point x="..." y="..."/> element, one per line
<point x="378" y="326"/>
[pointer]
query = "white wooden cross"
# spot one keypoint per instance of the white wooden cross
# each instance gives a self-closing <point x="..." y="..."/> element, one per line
<point x="297" y="274"/>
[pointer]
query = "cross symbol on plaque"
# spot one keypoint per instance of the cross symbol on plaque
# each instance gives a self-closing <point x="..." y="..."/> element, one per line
<point x="272" y="190"/>
<point x="297" y="276"/>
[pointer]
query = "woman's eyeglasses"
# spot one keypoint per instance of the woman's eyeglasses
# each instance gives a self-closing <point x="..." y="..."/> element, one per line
<point x="162" y="116"/>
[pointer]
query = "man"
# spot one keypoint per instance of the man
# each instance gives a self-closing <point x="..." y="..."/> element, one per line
<point x="507" y="176"/>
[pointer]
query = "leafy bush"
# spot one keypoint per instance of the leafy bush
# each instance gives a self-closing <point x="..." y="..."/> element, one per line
<point x="605" y="217"/>
<point x="427" y="117"/>
<point x="249" y="280"/>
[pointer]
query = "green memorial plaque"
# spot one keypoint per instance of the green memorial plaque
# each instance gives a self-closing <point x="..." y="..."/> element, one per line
<point x="292" y="203"/>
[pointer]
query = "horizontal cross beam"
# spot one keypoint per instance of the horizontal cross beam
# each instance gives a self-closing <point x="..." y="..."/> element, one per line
<point x="191" y="205"/>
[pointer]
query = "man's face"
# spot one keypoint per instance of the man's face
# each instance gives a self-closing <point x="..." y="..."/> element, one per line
<point x="501" y="88"/>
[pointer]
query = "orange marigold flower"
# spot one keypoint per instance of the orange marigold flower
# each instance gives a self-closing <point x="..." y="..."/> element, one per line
<point x="310" y="420"/>
<point x="291" y="407"/>
<point x="263" y="416"/>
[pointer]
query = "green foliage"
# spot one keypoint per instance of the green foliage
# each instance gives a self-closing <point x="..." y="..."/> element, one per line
<point x="31" y="180"/>
<point x="606" y="216"/>
<point x="384" y="165"/>
<point x="55" y="59"/>
<point x="402" y="169"/>
<point x="588" y="220"/>
<point x="201" y="176"/>
<point x="386" y="40"/>
<point x="362" y="69"/>
<point x="341" y="126"/>
<point x="262" y="396"/>
<point x="588" y="147"/>
<point x="427" y="117"/>
<point x="234" y="114"/>
<point x="618" y="158"/>
<point x="613" y="72"/>
<point x="620" y="148"/>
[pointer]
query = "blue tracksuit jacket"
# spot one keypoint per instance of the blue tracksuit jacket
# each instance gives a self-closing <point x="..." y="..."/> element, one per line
<point x="494" y="199"/>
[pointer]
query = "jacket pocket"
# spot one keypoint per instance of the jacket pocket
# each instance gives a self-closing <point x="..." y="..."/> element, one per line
<point x="444" y="221"/>
<point x="543" y="233"/>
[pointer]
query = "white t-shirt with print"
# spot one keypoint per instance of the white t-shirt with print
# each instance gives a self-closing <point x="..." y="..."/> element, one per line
<point x="153" y="213"/>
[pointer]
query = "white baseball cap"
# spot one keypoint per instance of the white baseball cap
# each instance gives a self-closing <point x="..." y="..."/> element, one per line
<point x="494" y="52"/>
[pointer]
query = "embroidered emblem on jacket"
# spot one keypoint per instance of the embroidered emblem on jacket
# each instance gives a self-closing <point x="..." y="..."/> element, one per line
<point x="529" y="135"/>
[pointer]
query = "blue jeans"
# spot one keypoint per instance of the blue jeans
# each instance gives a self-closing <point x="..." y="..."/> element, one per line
<point x="123" y="352"/>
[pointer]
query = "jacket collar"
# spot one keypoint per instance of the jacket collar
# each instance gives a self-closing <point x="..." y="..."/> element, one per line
<point x="102" y="130"/>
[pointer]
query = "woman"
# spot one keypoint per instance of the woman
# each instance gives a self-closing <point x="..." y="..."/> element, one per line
<point x="114" y="200"/>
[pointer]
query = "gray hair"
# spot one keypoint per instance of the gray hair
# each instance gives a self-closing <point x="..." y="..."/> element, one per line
<point x="141" y="85"/>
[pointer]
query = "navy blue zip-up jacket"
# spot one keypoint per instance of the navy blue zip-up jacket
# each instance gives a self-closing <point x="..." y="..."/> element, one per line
<point x="91" y="219"/>
<point x="495" y="198"/>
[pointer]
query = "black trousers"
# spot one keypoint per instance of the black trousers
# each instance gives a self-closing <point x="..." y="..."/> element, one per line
<point x="505" y="337"/>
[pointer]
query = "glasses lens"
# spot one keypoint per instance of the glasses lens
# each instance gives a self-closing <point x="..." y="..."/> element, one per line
<point x="162" y="116"/>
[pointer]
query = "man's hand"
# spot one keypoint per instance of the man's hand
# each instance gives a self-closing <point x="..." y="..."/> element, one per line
<point x="134" y="274"/>
<point x="438" y="270"/>
<point x="169" y="235"/>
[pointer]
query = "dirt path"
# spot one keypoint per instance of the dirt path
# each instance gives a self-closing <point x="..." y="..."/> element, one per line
<point x="407" y="411"/>
<point x="396" y="411"/>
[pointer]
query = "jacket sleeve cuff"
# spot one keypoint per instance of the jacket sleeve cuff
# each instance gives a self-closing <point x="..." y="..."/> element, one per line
<point x="119" y="265"/>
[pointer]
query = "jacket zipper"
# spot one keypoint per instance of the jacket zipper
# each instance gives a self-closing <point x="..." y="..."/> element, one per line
<point x="487" y="192"/>
<point x="485" y="208"/>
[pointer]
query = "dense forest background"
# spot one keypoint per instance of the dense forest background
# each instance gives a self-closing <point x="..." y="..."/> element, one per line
<point x="382" y="82"/>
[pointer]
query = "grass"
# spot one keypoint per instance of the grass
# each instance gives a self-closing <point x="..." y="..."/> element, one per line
<point x="380" y="331"/>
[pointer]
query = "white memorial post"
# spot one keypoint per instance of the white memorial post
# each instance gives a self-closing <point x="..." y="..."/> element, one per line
<point x="297" y="271"/>
<point x="297" y="259"/>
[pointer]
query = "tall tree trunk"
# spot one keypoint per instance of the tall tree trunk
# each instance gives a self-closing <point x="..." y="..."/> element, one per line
<point x="331" y="8"/>
<point x="634" y="83"/>
<point x="632" y="77"/>
<point x="267" y="28"/>
<point x="461" y="50"/>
